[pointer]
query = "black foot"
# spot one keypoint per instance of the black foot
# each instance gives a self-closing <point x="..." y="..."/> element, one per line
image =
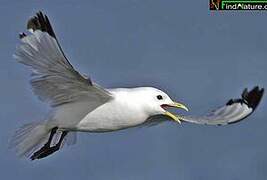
<point x="45" y="151"/>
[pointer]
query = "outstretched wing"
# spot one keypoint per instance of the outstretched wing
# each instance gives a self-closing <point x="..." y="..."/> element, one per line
<point x="234" y="111"/>
<point x="54" y="79"/>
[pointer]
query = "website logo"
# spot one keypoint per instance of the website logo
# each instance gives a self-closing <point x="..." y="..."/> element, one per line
<point x="238" y="5"/>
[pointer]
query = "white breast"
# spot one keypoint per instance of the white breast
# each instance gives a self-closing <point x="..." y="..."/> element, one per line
<point x="119" y="113"/>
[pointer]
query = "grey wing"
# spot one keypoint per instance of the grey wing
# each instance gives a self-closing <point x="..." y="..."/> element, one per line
<point x="234" y="111"/>
<point x="54" y="79"/>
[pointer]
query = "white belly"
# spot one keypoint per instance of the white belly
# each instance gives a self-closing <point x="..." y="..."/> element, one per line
<point x="110" y="117"/>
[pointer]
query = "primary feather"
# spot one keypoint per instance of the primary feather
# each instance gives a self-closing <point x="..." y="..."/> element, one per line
<point x="234" y="111"/>
<point x="54" y="79"/>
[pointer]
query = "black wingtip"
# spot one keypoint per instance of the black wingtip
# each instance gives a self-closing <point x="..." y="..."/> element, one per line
<point x="253" y="97"/>
<point x="41" y="22"/>
<point x="22" y="35"/>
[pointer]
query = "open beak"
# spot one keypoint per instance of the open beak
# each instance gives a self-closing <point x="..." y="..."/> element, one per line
<point x="176" y="105"/>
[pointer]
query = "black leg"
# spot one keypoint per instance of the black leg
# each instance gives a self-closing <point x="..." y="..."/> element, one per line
<point x="49" y="150"/>
<point x="64" y="133"/>
<point x="46" y="145"/>
<point x="53" y="132"/>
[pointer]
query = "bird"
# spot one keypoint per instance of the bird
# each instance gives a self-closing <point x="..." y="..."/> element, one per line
<point x="80" y="105"/>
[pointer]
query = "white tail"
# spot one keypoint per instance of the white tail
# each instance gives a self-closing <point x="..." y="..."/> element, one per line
<point x="29" y="137"/>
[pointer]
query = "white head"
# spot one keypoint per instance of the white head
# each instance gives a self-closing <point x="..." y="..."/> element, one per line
<point x="154" y="102"/>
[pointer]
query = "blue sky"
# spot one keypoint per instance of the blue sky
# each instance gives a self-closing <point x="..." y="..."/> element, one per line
<point x="199" y="57"/>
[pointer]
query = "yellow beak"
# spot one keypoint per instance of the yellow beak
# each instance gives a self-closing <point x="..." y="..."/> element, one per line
<point x="176" y="105"/>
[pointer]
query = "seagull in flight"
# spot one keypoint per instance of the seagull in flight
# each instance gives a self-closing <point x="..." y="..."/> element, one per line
<point x="79" y="104"/>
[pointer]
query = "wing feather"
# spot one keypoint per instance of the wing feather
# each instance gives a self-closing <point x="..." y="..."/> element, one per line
<point x="234" y="111"/>
<point x="54" y="79"/>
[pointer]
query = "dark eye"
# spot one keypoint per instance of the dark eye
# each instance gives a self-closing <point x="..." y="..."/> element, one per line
<point x="159" y="97"/>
